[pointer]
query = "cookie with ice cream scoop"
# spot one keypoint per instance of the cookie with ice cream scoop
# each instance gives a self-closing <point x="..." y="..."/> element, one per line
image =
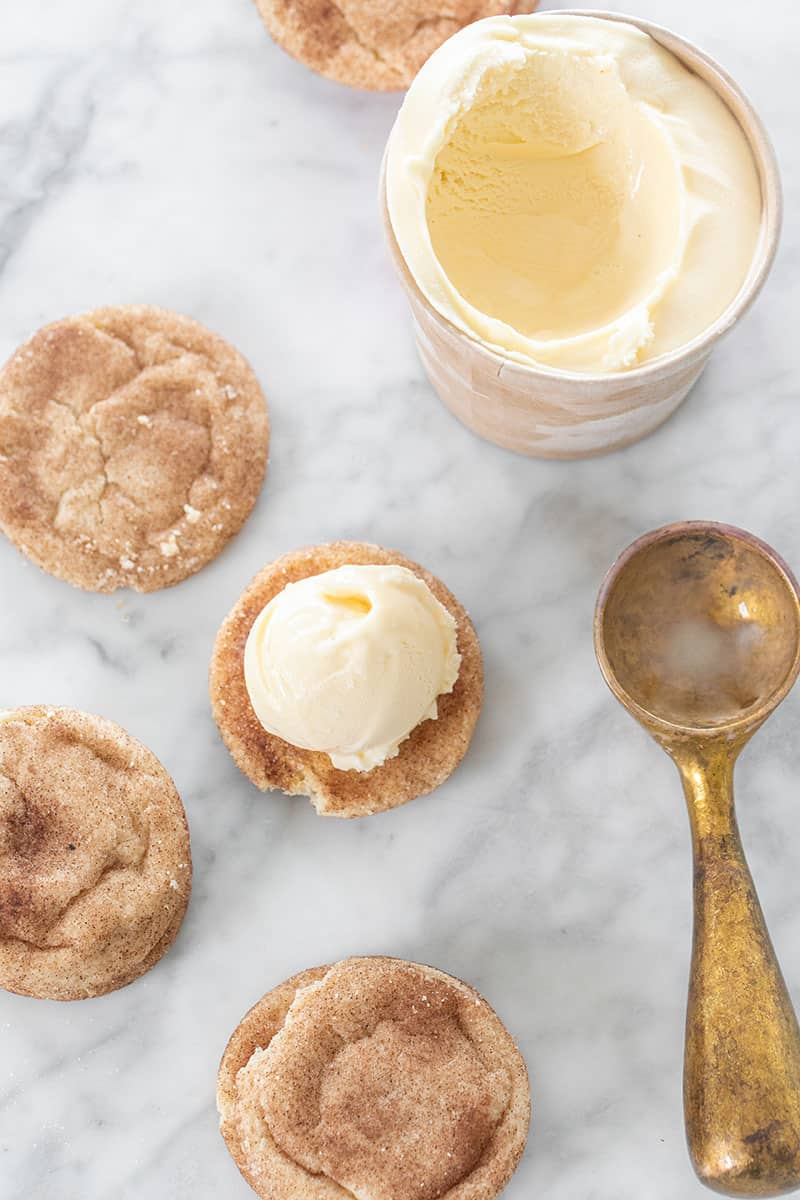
<point x="374" y="1077"/>
<point x="349" y="674"/>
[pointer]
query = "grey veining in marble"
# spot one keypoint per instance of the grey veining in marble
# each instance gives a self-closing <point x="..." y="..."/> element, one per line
<point x="169" y="153"/>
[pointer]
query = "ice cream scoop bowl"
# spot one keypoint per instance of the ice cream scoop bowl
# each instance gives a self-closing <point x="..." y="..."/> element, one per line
<point x="697" y="632"/>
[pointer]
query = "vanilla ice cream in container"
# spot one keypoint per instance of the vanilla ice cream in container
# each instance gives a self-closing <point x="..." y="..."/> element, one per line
<point x="579" y="206"/>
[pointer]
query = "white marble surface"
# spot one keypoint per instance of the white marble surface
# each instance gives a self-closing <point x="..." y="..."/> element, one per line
<point x="170" y="153"/>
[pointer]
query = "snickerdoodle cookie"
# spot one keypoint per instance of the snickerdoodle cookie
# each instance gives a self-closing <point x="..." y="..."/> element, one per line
<point x="374" y="1077"/>
<point x="133" y="444"/>
<point x="374" y="44"/>
<point x="95" y="869"/>
<point x="394" y="660"/>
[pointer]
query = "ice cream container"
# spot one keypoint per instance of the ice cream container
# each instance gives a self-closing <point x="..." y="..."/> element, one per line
<point x="550" y="412"/>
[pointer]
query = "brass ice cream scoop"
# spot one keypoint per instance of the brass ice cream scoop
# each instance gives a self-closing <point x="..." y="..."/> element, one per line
<point x="697" y="632"/>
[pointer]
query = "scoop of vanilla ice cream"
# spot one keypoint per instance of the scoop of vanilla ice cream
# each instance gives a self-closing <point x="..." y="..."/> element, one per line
<point x="350" y="661"/>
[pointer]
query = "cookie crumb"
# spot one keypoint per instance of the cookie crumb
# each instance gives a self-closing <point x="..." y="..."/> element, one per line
<point x="170" y="548"/>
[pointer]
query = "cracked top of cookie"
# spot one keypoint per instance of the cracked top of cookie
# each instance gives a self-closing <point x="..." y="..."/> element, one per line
<point x="133" y="445"/>
<point x="374" y="1079"/>
<point x="95" y="868"/>
<point x="375" y="44"/>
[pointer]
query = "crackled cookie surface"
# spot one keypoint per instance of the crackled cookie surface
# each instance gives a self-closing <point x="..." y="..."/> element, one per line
<point x="374" y="44"/>
<point x="133" y="445"/>
<point x="95" y="868"/>
<point x="425" y="759"/>
<point x="374" y="1079"/>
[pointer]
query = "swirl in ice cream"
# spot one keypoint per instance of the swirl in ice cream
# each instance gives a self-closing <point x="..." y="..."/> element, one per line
<point x="563" y="189"/>
<point x="350" y="661"/>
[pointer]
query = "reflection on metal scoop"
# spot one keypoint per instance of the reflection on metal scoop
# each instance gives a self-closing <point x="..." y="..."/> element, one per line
<point x="697" y="632"/>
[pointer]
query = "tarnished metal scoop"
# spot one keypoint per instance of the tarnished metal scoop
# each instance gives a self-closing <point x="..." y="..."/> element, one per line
<point x="697" y="632"/>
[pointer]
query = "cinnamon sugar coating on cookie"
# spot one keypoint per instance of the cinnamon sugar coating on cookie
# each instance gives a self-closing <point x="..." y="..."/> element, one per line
<point x="133" y="445"/>
<point x="375" y="44"/>
<point x="95" y="867"/>
<point x="426" y="758"/>
<point x="374" y="1077"/>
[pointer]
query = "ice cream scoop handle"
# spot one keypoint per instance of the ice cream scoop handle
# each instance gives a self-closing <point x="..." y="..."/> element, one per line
<point x="742" y="1064"/>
